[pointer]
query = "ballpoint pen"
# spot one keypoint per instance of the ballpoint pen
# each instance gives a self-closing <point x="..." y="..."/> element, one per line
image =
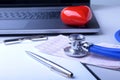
<point x="52" y="65"/>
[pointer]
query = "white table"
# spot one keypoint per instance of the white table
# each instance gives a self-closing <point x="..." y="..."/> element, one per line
<point x="108" y="17"/>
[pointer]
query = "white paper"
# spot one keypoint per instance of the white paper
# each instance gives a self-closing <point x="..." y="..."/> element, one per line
<point x="16" y="64"/>
<point x="56" y="45"/>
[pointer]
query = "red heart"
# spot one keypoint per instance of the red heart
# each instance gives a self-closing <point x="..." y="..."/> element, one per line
<point x="76" y="15"/>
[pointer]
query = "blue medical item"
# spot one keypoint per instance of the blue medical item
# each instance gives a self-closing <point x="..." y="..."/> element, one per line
<point x="80" y="48"/>
<point x="110" y="52"/>
<point x="117" y="35"/>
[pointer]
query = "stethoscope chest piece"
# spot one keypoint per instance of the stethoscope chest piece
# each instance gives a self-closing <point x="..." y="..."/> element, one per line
<point x="75" y="53"/>
<point x="75" y="50"/>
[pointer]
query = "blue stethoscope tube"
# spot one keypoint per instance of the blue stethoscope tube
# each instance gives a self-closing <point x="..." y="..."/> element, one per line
<point x="110" y="52"/>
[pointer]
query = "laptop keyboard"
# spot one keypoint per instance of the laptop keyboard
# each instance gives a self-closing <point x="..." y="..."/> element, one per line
<point x="29" y="15"/>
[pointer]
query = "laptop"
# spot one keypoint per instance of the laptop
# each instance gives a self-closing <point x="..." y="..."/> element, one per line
<point x="40" y="17"/>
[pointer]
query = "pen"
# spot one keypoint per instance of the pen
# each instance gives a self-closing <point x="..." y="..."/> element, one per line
<point x="53" y="66"/>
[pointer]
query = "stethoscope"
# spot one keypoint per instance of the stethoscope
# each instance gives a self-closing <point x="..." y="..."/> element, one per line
<point x="80" y="48"/>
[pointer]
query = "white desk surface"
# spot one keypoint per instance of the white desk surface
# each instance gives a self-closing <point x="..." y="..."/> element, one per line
<point x="16" y="64"/>
<point x="108" y="16"/>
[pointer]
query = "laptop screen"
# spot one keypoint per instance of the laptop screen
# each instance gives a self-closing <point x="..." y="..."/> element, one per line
<point x="39" y="2"/>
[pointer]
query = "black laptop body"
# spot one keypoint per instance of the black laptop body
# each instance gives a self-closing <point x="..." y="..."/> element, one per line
<point x="39" y="17"/>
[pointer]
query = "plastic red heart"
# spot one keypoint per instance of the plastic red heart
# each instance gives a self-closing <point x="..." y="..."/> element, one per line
<point x="76" y="15"/>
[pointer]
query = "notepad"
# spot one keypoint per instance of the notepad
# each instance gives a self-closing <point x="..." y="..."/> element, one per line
<point x="55" y="46"/>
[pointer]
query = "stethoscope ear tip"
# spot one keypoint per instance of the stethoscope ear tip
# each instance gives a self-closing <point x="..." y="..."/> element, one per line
<point x="117" y="35"/>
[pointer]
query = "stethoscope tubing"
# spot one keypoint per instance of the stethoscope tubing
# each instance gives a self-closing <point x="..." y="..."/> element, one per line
<point x="110" y="52"/>
<point x="116" y="50"/>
